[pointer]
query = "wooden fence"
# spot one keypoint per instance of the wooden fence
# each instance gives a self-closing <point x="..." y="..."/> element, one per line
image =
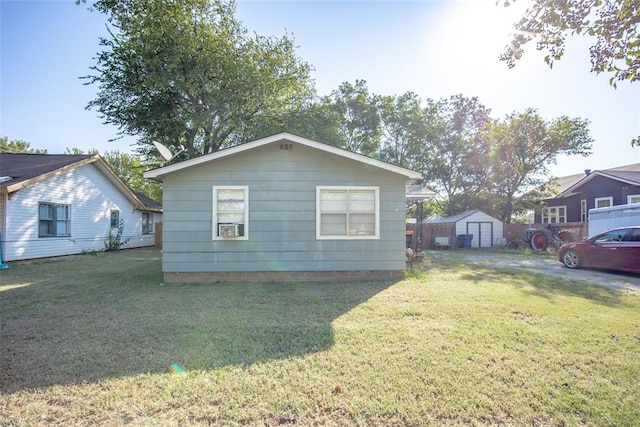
<point x="158" y="235"/>
<point x="424" y="236"/>
<point x="579" y="229"/>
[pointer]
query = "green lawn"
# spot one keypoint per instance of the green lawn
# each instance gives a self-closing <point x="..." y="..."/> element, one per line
<point x="90" y="339"/>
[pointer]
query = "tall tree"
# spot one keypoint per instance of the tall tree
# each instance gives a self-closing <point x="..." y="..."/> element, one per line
<point x="188" y="73"/>
<point x="359" y="121"/>
<point x="522" y="146"/>
<point x="405" y="128"/>
<point x="316" y="119"/>
<point x="18" y="146"/>
<point x="613" y="24"/>
<point x="454" y="162"/>
<point x="130" y="169"/>
<point x="79" y="151"/>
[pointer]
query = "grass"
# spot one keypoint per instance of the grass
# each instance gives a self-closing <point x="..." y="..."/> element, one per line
<point x="90" y="339"/>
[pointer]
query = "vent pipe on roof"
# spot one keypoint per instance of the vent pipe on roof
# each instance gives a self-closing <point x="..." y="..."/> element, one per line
<point x="587" y="172"/>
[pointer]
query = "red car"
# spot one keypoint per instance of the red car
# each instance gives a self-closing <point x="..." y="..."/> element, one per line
<point x="617" y="249"/>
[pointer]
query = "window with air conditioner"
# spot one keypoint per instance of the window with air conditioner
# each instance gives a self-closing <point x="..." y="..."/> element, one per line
<point x="230" y="212"/>
<point x="347" y="213"/>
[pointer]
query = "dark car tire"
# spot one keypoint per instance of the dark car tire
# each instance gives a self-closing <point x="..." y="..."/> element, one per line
<point x="571" y="259"/>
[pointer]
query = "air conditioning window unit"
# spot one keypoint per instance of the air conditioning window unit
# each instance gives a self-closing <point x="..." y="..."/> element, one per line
<point x="228" y="230"/>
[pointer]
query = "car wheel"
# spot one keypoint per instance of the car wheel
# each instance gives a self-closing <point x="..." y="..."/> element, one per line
<point x="571" y="259"/>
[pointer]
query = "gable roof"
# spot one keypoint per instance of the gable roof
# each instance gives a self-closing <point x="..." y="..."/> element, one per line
<point x="419" y="192"/>
<point x="20" y="170"/>
<point x="437" y="219"/>
<point x="160" y="173"/>
<point x="629" y="174"/>
<point x="562" y="183"/>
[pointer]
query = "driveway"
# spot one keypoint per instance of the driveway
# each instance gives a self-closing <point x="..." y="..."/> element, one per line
<point x="552" y="267"/>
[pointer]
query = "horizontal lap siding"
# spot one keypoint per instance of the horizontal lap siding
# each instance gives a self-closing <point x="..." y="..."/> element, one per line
<point x="282" y="215"/>
<point x="91" y="197"/>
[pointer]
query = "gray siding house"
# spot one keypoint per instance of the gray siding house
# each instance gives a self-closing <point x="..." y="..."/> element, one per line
<point x="283" y="208"/>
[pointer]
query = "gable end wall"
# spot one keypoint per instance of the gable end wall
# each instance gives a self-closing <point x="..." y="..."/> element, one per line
<point x="282" y="218"/>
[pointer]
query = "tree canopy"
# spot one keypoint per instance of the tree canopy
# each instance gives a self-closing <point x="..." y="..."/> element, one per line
<point x="454" y="161"/>
<point x="18" y="146"/>
<point x="471" y="160"/>
<point x="612" y="23"/>
<point x="521" y="147"/>
<point x="188" y="73"/>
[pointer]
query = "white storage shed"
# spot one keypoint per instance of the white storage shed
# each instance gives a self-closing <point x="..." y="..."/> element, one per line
<point x="486" y="230"/>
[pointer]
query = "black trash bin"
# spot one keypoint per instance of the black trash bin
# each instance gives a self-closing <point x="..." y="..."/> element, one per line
<point x="464" y="241"/>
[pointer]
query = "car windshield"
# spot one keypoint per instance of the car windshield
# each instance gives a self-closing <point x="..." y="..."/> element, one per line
<point x="610" y="236"/>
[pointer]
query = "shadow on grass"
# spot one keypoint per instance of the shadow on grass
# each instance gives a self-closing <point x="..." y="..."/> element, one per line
<point x="540" y="283"/>
<point x="89" y="318"/>
<point x="545" y="286"/>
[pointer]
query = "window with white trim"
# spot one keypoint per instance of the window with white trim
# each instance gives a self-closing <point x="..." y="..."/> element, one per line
<point x="604" y="202"/>
<point x="230" y="213"/>
<point x="554" y="214"/>
<point x="115" y="218"/>
<point x="583" y="210"/>
<point x="347" y="212"/>
<point x="633" y="198"/>
<point x="54" y="220"/>
<point x="147" y="223"/>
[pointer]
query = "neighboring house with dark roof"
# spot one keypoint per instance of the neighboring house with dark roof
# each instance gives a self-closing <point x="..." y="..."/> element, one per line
<point x="593" y="189"/>
<point x="52" y="205"/>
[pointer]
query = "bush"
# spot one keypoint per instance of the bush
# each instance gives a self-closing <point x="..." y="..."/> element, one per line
<point x="115" y="240"/>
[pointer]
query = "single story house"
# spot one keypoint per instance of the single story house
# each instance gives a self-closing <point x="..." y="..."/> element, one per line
<point x="486" y="231"/>
<point x="52" y="205"/>
<point x="577" y="194"/>
<point x="283" y="208"/>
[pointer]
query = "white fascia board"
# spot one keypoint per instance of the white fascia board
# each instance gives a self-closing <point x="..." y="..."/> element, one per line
<point x="570" y="191"/>
<point x="161" y="172"/>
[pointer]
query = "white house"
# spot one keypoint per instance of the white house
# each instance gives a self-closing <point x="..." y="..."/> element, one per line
<point x="52" y="205"/>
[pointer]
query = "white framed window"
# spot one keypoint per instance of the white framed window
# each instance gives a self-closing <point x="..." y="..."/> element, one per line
<point x="230" y="213"/>
<point x="347" y="212"/>
<point x="604" y="202"/>
<point x="583" y="210"/>
<point x="554" y="214"/>
<point x="54" y="220"/>
<point x="147" y="223"/>
<point x="115" y="218"/>
<point x="633" y="198"/>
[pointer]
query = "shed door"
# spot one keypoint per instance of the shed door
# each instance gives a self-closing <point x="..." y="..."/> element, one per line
<point x="482" y="234"/>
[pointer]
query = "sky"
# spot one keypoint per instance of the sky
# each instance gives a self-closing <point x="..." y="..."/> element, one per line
<point x="435" y="48"/>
